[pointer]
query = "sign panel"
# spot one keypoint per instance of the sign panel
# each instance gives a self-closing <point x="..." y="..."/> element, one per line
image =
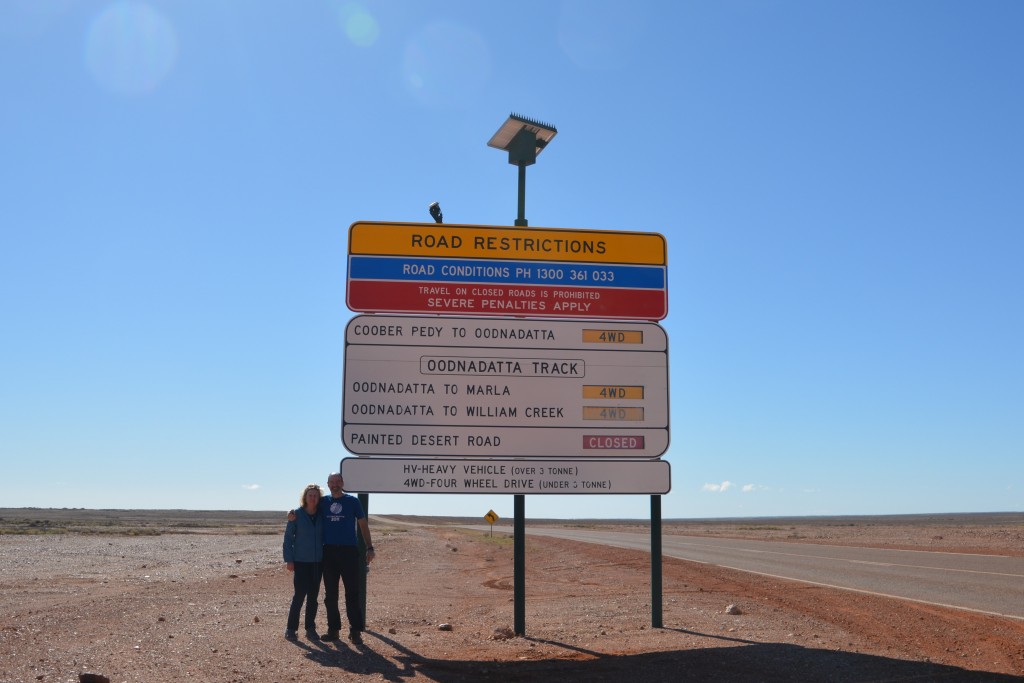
<point x="393" y="475"/>
<point x="505" y="388"/>
<point x="493" y="271"/>
<point x="451" y="240"/>
<point x="408" y="330"/>
<point x="503" y="442"/>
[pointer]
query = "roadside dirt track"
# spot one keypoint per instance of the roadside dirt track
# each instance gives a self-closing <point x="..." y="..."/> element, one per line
<point x="211" y="607"/>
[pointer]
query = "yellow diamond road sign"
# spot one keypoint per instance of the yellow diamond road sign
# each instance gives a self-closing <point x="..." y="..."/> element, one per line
<point x="491" y="517"/>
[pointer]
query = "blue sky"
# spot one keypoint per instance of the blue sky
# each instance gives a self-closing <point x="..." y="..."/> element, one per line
<point x="839" y="185"/>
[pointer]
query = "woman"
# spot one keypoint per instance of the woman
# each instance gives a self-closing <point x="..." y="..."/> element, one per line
<point x="303" y="551"/>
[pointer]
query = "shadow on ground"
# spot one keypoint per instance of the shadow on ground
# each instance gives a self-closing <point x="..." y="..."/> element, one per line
<point x="743" y="661"/>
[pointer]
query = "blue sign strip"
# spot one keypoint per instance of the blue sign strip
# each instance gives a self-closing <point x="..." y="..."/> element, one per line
<point x="505" y="272"/>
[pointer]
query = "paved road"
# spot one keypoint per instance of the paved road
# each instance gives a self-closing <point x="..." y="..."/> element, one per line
<point x="981" y="583"/>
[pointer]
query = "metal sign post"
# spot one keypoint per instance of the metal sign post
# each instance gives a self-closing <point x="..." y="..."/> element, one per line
<point x="519" y="565"/>
<point x="364" y="499"/>
<point x="656" y="597"/>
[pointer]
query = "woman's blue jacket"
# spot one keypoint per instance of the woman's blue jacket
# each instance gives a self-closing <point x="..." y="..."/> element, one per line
<point x="304" y="538"/>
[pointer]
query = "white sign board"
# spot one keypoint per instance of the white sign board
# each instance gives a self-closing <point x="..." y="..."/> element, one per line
<point x="505" y="388"/>
<point x="395" y="475"/>
<point x="504" y="442"/>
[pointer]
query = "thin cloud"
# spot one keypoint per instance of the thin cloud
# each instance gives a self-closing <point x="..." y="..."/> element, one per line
<point x="718" y="488"/>
<point x="750" y="488"/>
<point x="251" y="487"/>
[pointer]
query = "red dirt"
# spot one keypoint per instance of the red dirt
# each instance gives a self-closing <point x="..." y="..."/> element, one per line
<point x="211" y="607"/>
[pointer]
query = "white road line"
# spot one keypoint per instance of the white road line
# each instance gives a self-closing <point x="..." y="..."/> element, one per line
<point x="860" y="590"/>
<point x="842" y="559"/>
<point x="668" y="553"/>
<point x="851" y="547"/>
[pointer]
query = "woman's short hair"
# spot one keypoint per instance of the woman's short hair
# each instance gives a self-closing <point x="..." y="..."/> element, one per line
<point x="310" y="487"/>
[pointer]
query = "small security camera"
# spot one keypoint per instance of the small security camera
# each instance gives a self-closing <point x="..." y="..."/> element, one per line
<point x="435" y="212"/>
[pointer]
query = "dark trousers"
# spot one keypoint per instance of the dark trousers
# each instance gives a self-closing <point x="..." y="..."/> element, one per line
<point x="342" y="562"/>
<point x="307" y="589"/>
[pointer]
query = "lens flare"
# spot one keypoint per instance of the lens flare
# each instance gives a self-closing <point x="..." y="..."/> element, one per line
<point x="361" y="28"/>
<point x="130" y="48"/>
<point x="358" y="24"/>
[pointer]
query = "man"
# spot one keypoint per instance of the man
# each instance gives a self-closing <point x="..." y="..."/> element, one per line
<point x="342" y="514"/>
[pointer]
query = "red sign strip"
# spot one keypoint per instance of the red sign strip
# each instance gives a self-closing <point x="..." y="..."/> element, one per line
<point x="618" y="442"/>
<point x="369" y="296"/>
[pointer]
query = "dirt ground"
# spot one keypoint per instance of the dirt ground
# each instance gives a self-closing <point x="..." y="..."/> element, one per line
<point x="209" y="604"/>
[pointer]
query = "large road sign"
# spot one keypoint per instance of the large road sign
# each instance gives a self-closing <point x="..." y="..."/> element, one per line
<point x="394" y="475"/>
<point x="471" y="387"/>
<point x="494" y="271"/>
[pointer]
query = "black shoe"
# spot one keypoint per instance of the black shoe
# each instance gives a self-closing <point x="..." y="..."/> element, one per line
<point x="289" y="634"/>
<point x="311" y="634"/>
<point x="355" y="637"/>
<point x="332" y="634"/>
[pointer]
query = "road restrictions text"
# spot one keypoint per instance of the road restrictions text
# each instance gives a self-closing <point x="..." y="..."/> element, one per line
<point x="492" y="271"/>
<point x="394" y="475"/>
